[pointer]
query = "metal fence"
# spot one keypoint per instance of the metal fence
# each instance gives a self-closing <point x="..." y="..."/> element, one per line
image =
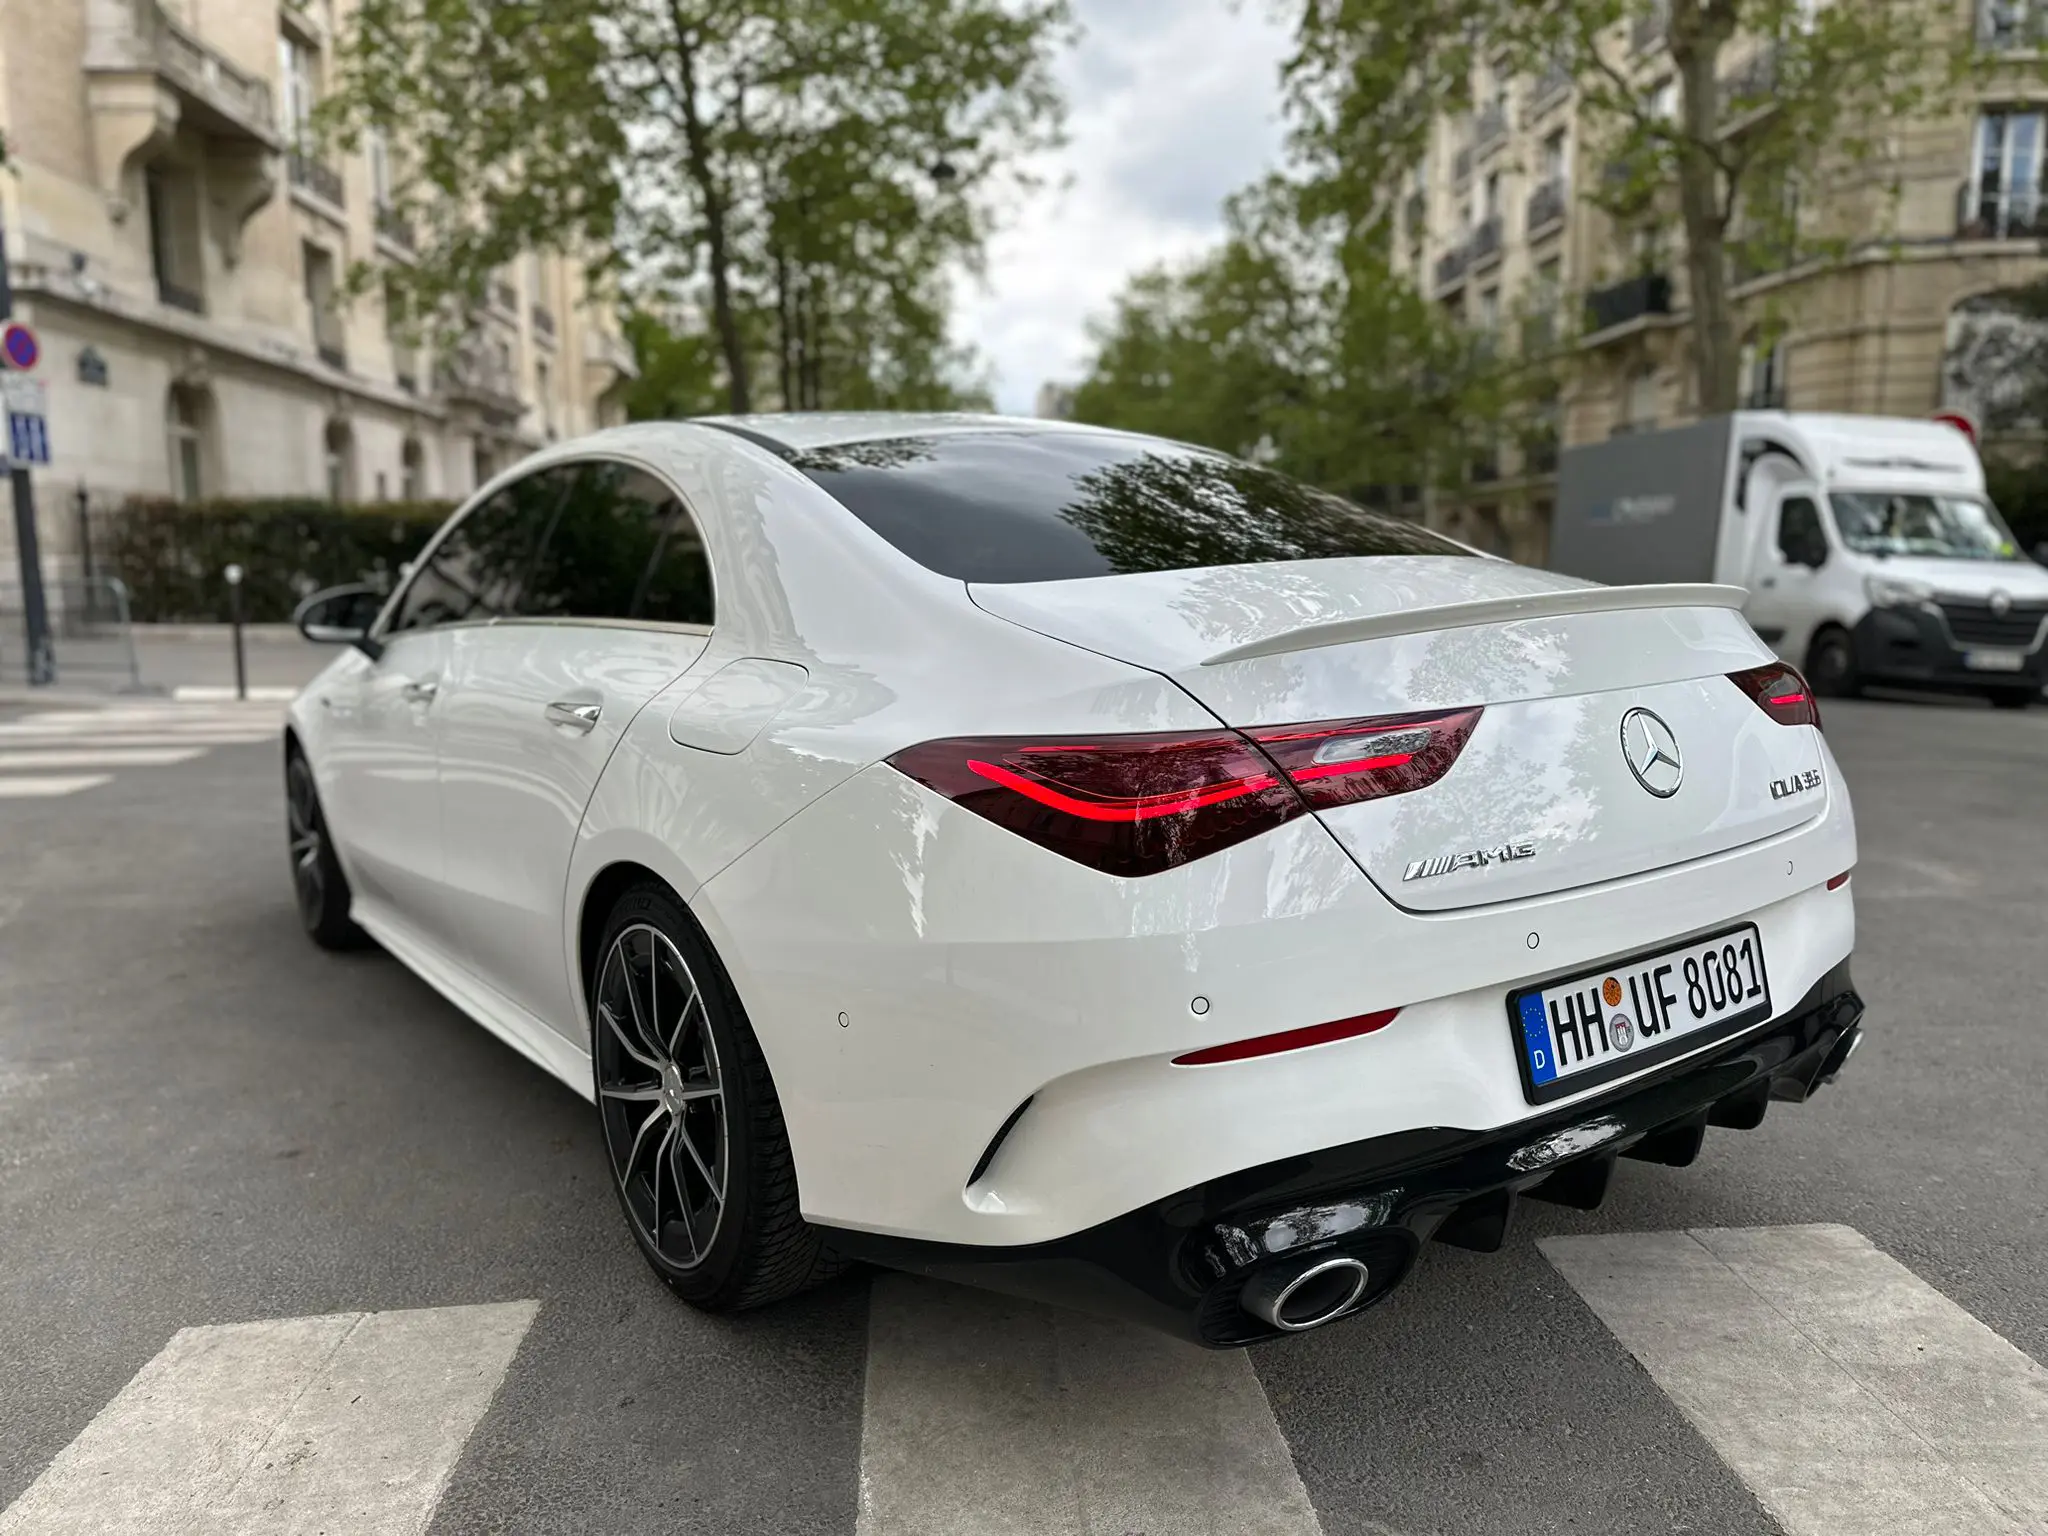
<point x="91" y="633"/>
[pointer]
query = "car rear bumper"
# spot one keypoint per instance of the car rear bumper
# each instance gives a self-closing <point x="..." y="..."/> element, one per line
<point x="1181" y="1264"/>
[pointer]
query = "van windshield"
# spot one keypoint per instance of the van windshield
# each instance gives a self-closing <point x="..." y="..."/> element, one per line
<point x="1906" y="523"/>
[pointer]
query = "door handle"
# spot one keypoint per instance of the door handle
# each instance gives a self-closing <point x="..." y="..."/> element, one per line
<point x="577" y="717"/>
<point x="420" y="693"/>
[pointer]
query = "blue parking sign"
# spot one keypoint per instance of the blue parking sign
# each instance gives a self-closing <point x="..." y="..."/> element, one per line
<point x="31" y="439"/>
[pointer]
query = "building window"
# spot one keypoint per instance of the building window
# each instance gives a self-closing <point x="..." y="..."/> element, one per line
<point x="175" y="254"/>
<point x="378" y="150"/>
<point x="341" y="465"/>
<point x="2008" y="24"/>
<point x="544" y="386"/>
<point x="1554" y="169"/>
<point x="322" y="299"/>
<point x="2006" y="182"/>
<point x="412" y="484"/>
<point x="298" y="74"/>
<point x="1639" y="406"/>
<point x="186" y="420"/>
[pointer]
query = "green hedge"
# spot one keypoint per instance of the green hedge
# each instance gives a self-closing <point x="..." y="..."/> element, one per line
<point x="2020" y="488"/>
<point x="171" y="554"/>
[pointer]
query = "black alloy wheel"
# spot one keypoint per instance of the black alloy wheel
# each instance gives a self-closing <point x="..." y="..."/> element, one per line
<point x="317" y="879"/>
<point x="692" y="1129"/>
<point x="1831" y="665"/>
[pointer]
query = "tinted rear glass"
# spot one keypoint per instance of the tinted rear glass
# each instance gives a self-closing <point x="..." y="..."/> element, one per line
<point x="1052" y="506"/>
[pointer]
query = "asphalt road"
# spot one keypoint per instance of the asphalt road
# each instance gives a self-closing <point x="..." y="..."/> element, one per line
<point x="204" y="1120"/>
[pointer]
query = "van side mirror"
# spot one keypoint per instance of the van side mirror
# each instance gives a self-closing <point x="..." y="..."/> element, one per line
<point x="342" y="616"/>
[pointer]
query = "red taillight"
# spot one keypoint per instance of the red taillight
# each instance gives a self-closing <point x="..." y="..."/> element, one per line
<point x="1780" y="692"/>
<point x="1340" y="762"/>
<point x="1288" y="1040"/>
<point x="1135" y="805"/>
<point x="1839" y="881"/>
<point x="1129" y="805"/>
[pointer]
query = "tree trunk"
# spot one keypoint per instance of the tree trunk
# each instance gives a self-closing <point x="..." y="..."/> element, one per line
<point x="739" y="393"/>
<point x="1699" y="31"/>
<point x="785" y="341"/>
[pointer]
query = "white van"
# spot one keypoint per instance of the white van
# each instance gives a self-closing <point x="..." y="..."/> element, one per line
<point x="1868" y="545"/>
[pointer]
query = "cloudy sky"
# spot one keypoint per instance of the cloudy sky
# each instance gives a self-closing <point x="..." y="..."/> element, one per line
<point x="1172" y="104"/>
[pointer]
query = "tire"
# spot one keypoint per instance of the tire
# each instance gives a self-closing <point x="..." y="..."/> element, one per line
<point x="2010" y="698"/>
<point x="1831" y="664"/>
<point x="692" y="1130"/>
<point x="317" y="880"/>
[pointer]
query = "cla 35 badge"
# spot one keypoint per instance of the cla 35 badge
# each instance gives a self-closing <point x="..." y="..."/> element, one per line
<point x="1478" y="858"/>
<point x="1799" y="784"/>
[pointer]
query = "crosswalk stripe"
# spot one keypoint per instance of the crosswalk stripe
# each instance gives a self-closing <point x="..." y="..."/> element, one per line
<point x="211" y="693"/>
<point x="49" y="787"/>
<point x="307" y="1424"/>
<point x="1002" y="1418"/>
<point x="39" y="730"/>
<point x="106" y="757"/>
<point x="140" y="738"/>
<point x="1852" y="1397"/>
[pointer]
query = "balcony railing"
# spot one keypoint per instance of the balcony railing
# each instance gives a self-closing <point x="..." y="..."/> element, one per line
<point x="395" y="227"/>
<point x="613" y="354"/>
<point x="544" y="322"/>
<point x="138" y="36"/>
<point x="318" y="178"/>
<point x="1988" y="214"/>
<point x="2006" y="26"/>
<point x="1547" y="204"/>
<point x="477" y="372"/>
<point x="1648" y="294"/>
<point x="1451" y="266"/>
<point x="1751" y="87"/>
<point x="1552" y="86"/>
<point x="1490" y="129"/>
<point x="1485" y="243"/>
<point x="1651" y="26"/>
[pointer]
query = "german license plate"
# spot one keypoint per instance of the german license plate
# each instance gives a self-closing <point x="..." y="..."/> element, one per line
<point x="1995" y="661"/>
<point x="1604" y="1024"/>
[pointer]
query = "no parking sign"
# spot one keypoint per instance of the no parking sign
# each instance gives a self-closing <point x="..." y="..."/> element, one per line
<point x="22" y="349"/>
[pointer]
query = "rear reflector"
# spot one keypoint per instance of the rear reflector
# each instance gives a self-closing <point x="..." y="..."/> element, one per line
<point x="1288" y="1040"/>
<point x="1839" y="881"/>
<point x="1136" y="805"/>
<point x="1780" y="692"/>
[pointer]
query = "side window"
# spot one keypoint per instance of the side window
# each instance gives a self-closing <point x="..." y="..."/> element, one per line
<point x="621" y="547"/>
<point x="476" y="571"/>
<point x="1800" y="536"/>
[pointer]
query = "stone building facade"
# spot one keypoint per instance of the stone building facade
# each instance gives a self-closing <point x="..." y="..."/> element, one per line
<point x="1919" y="245"/>
<point x="182" y="252"/>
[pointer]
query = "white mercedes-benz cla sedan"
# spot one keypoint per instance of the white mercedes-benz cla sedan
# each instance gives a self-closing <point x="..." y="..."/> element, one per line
<point x="1072" y="862"/>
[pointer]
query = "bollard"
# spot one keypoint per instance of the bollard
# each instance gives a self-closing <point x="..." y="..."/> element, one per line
<point x="234" y="576"/>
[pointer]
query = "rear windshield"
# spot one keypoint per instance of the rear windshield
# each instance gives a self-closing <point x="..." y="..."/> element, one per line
<point x="1052" y="506"/>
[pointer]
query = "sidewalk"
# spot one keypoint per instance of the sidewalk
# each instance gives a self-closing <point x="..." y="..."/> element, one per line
<point x="193" y="662"/>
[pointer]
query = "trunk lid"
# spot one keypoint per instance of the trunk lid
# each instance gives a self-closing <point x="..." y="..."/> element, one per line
<point x="1543" y="797"/>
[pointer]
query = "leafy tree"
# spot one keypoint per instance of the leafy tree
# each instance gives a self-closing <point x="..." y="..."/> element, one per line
<point x="795" y="170"/>
<point x="1767" y="95"/>
<point x="1294" y="343"/>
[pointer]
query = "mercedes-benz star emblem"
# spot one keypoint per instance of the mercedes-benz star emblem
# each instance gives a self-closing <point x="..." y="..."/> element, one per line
<point x="1652" y="753"/>
<point x="2001" y="603"/>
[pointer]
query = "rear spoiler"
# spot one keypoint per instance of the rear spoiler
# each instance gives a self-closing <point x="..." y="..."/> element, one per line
<point x="1492" y="610"/>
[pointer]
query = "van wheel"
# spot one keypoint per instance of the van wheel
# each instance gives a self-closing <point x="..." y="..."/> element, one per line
<point x="1831" y="664"/>
<point x="2011" y="698"/>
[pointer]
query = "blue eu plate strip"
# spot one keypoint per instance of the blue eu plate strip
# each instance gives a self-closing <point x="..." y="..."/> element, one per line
<point x="1536" y="1039"/>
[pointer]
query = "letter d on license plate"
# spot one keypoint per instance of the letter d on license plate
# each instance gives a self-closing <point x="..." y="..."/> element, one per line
<point x="1600" y="1025"/>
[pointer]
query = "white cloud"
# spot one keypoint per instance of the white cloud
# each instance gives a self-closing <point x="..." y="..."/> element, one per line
<point x="1172" y="105"/>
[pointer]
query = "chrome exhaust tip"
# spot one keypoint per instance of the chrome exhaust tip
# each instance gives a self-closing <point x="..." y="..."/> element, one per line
<point x="1307" y="1294"/>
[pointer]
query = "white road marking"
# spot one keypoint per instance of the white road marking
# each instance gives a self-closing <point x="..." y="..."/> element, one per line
<point x="299" y="1425"/>
<point x="141" y="738"/>
<point x="1852" y="1397"/>
<point x="1001" y="1418"/>
<point x="105" y="757"/>
<point x="51" y="787"/>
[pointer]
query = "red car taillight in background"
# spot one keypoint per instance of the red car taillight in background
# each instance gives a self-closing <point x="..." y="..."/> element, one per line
<point x="1138" y="804"/>
<point x="1780" y="692"/>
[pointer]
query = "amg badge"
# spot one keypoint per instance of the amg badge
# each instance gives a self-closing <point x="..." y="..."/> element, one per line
<point x="1478" y="858"/>
<point x="1798" y="784"/>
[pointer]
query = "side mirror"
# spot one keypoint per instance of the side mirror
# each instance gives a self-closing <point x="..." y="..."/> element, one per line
<point x="342" y="616"/>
